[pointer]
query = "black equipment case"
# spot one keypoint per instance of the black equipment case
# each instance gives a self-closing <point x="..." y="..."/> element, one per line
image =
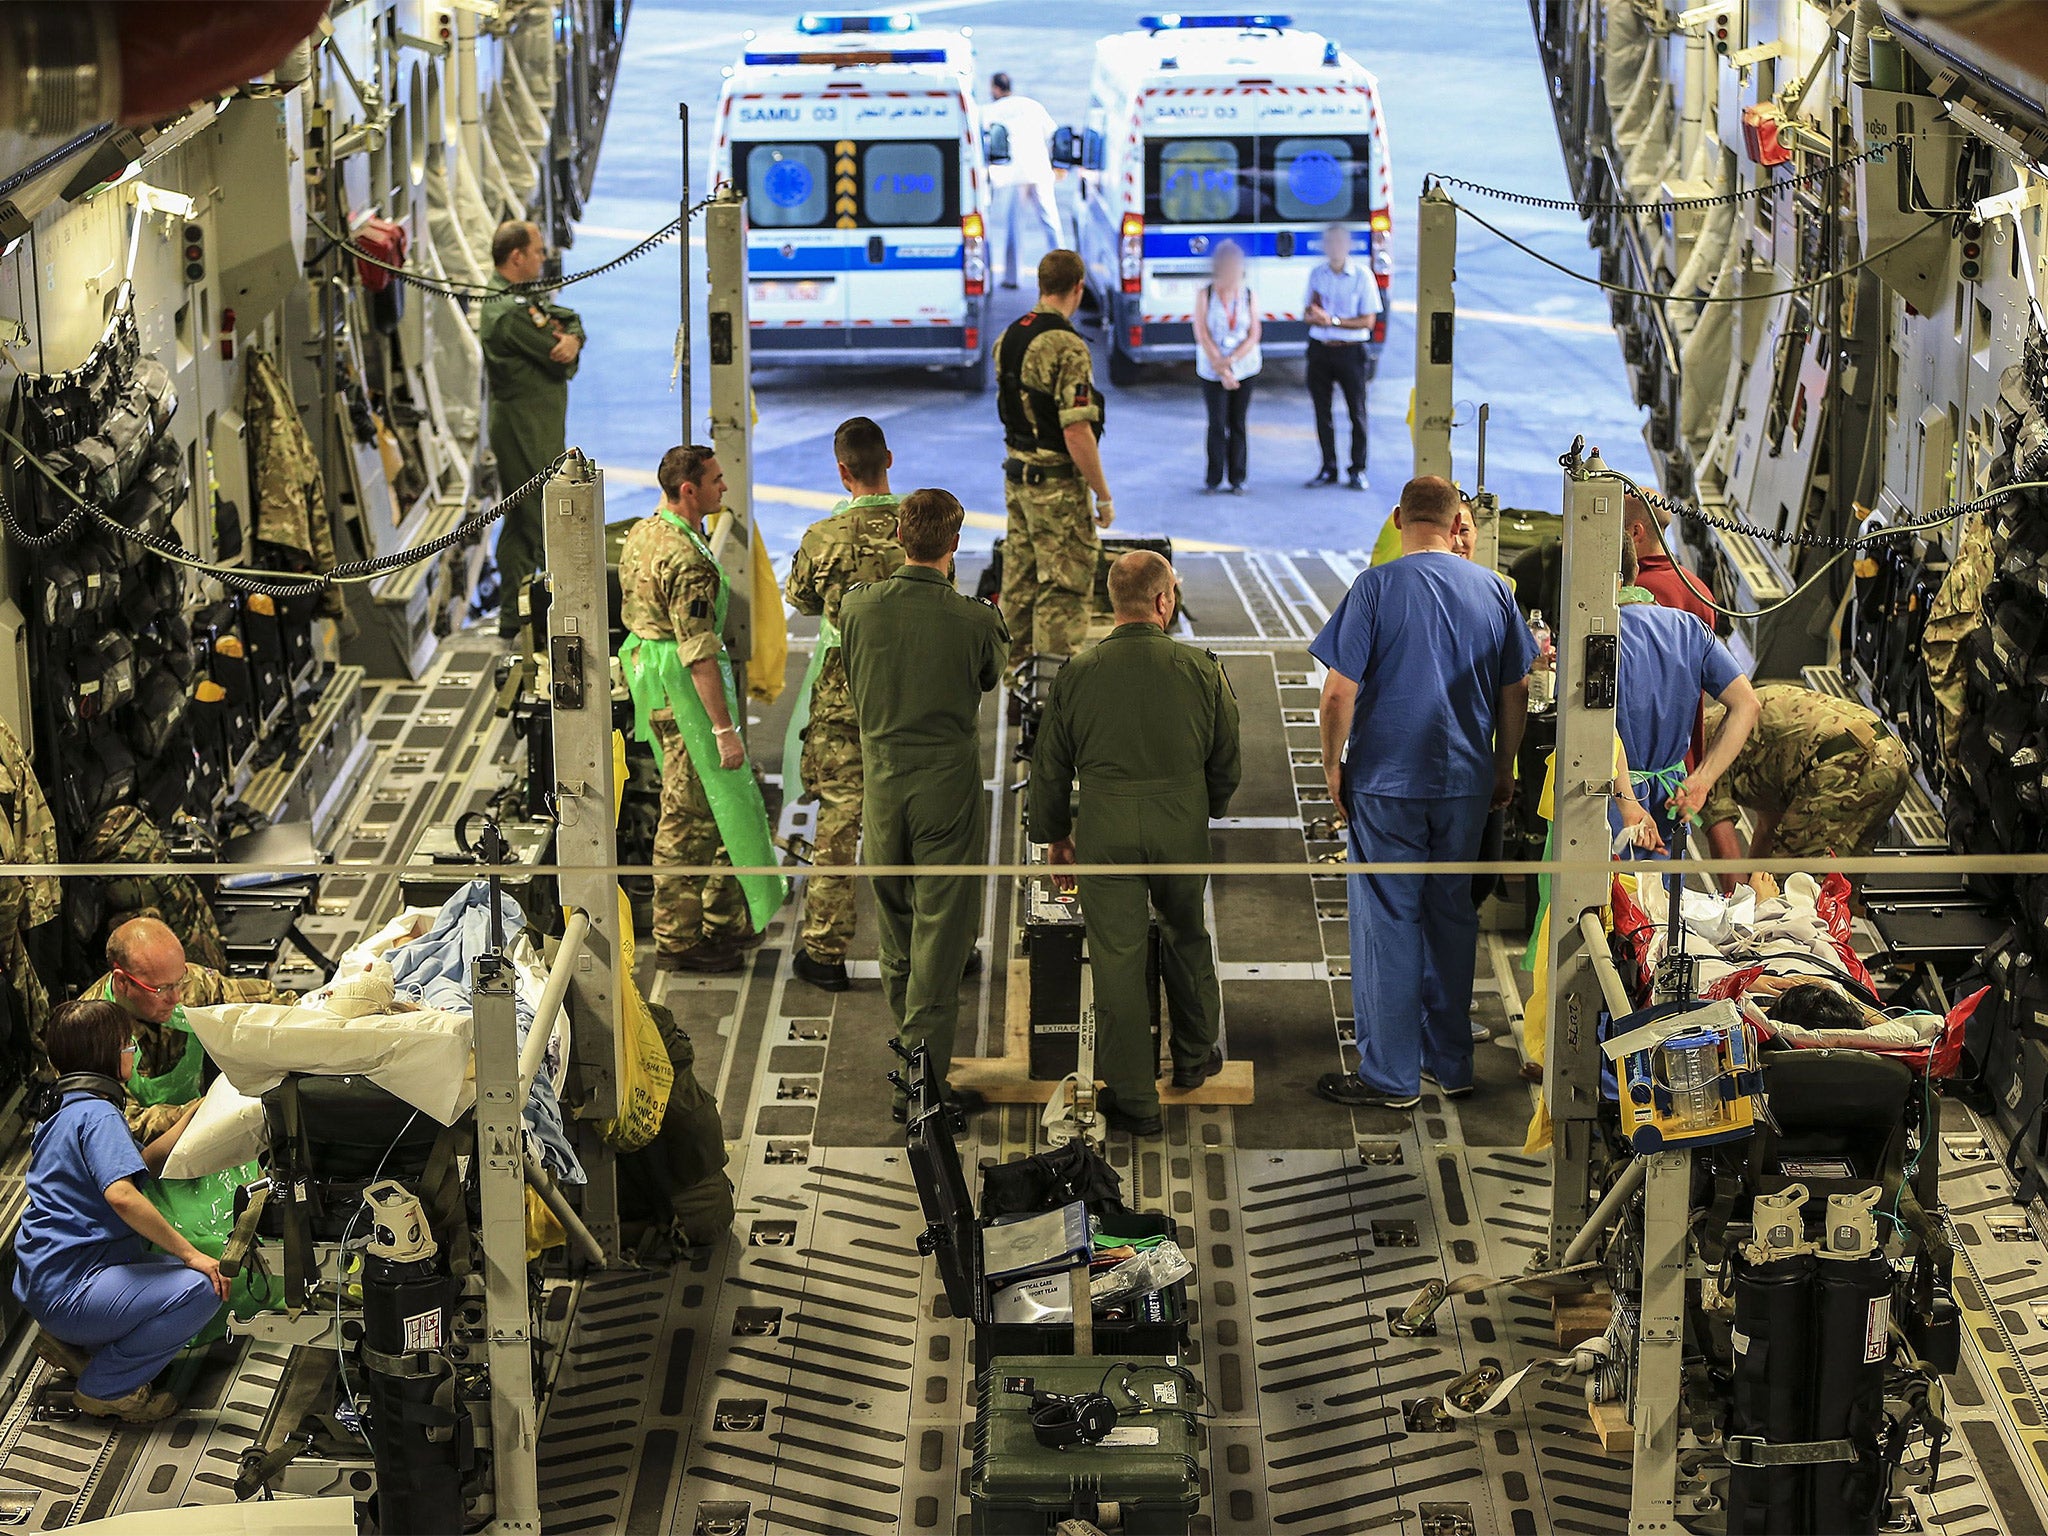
<point x="1145" y="1325"/>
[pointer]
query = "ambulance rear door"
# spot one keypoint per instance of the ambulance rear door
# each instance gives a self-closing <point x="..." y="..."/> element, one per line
<point x="787" y="165"/>
<point x="1316" y="166"/>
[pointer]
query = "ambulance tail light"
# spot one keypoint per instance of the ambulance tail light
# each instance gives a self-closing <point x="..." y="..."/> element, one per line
<point x="973" y="254"/>
<point x="1379" y="324"/>
<point x="1131" y="254"/>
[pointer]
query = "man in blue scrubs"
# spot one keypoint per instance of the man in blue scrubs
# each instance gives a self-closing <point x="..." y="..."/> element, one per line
<point x="1422" y="713"/>
<point x="1668" y="659"/>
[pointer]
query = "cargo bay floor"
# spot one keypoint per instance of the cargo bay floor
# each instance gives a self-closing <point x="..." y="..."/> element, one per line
<point x="806" y="1376"/>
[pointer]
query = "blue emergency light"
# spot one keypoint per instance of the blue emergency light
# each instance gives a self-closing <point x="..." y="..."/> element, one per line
<point x="1173" y="21"/>
<point x="823" y="24"/>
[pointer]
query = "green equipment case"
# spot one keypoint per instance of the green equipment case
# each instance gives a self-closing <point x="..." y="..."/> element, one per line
<point x="1146" y="1466"/>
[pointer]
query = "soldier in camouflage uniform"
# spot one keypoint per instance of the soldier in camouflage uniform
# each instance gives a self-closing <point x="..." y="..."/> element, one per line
<point x="1957" y="609"/>
<point x="669" y="587"/>
<point x="28" y="835"/>
<point x="1052" y="419"/>
<point x="126" y="836"/>
<point x="151" y="981"/>
<point x="1820" y="775"/>
<point x="857" y="543"/>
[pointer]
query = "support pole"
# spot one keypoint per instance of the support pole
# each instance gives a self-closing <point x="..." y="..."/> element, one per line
<point x="732" y="412"/>
<point x="508" y="1310"/>
<point x="1588" y="643"/>
<point x="683" y="333"/>
<point x="468" y="102"/>
<point x="1660" y="1346"/>
<point x="574" y="931"/>
<point x="586" y="809"/>
<point x="1436" y="260"/>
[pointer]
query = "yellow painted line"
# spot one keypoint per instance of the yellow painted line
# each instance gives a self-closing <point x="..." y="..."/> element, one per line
<point x="795" y="496"/>
<point x="825" y="501"/>
<point x="1533" y="322"/>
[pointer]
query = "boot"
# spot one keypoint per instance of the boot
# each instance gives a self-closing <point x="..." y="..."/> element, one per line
<point x="145" y="1405"/>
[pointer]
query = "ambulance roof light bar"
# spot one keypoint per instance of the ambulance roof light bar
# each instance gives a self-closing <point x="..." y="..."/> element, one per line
<point x="829" y="23"/>
<point x="1174" y="21"/>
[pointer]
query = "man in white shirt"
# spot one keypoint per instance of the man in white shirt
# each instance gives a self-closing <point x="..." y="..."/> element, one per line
<point x="1342" y="302"/>
<point x="1025" y="184"/>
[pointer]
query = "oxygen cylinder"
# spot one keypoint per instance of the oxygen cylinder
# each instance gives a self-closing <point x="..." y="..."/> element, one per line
<point x="1773" y="1342"/>
<point x="418" y="1435"/>
<point x="1852" y="1327"/>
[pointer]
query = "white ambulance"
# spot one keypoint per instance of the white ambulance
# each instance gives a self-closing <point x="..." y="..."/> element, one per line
<point x="856" y="141"/>
<point x="1202" y="128"/>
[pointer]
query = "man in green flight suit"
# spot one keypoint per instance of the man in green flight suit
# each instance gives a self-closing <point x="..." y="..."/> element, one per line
<point x="1149" y="727"/>
<point x="1052" y="423"/>
<point x="531" y="350"/>
<point x="857" y="543"/>
<point x="685" y="706"/>
<point x="919" y="656"/>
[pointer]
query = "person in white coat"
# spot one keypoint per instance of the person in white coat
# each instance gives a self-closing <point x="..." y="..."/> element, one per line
<point x="1023" y="186"/>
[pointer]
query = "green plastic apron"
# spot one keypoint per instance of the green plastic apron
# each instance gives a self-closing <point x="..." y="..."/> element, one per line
<point x="657" y="679"/>
<point x="202" y="1209"/>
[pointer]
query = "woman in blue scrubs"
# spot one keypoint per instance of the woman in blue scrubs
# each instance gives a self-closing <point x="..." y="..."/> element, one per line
<point x="112" y="1313"/>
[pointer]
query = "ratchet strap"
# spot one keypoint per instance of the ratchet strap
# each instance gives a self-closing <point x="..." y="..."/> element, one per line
<point x="1755" y="1451"/>
<point x="1485" y="1389"/>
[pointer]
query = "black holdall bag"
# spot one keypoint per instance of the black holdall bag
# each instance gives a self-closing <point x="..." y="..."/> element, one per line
<point x="1046" y="1181"/>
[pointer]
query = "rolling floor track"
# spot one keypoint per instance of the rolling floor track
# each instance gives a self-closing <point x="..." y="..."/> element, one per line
<point x="805" y="1374"/>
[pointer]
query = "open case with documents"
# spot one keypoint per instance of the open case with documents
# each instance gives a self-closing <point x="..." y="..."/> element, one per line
<point x="1032" y="1315"/>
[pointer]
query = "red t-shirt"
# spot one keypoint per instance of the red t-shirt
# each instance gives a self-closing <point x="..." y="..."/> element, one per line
<point x="1675" y="587"/>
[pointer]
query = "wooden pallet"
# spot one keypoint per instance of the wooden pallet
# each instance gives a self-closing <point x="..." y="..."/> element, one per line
<point x="1007" y="1079"/>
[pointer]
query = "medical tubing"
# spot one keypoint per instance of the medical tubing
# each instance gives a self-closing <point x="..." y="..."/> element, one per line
<point x="1691" y="298"/>
<point x="1672" y="204"/>
<point x="242" y="578"/>
<point x="457" y="288"/>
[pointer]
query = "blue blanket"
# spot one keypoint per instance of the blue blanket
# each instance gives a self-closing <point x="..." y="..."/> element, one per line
<point x="435" y="968"/>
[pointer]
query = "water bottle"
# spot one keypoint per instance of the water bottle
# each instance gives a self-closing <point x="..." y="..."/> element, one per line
<point x="1543" y="681"/>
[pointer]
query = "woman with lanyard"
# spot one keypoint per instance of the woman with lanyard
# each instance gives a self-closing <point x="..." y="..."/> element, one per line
<point x="1227" y="330"/>
<point x="1668" y="660"/>
<point x="111" y="1313"/>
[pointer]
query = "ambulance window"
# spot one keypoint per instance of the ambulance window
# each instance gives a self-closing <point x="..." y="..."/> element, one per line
<point x="1199" y="181"/>
<point x="904" y="183"/>
<point x="1316" y="180"/>
<point x="787" y="186"/>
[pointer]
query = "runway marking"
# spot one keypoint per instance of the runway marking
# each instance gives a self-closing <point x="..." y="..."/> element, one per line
<point x="1533" y="322"/>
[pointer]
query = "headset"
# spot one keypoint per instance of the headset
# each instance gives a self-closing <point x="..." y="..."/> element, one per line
<point x="1061" y="1421"/>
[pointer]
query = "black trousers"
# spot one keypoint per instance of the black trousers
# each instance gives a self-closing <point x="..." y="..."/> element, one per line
<point x="1338" y="367"/>
<point x="1226" y="430"/>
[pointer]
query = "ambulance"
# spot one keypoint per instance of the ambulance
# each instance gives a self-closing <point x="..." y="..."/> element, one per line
<point x="856" y="141"/>
<point x="1202" y="128"/>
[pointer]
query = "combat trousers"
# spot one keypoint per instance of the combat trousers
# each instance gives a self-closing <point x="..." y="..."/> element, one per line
<point x="1049" y="553"/>
<point x="1413" y="941"/>
<point x="925" y="809"/>
<point x="832" y="771"/>
<point x="1120" y="829"/>
<point x="133" y="1319"/>
<point x="1841" y="805"/>
<point x="690" y="909"/>
<point x="522" y="545"/>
